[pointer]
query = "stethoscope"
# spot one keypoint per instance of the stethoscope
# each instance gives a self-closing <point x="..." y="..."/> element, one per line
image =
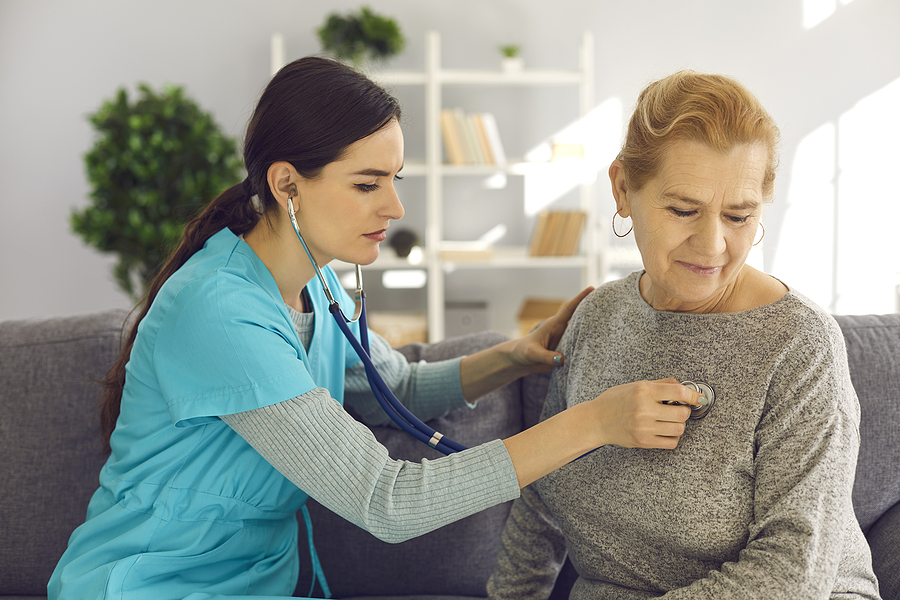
<point x="398" y="413"/>
<point x="707" y="399"/>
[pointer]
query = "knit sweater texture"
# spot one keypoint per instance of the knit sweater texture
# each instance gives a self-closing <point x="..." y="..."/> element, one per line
<point x="755" y="502"/>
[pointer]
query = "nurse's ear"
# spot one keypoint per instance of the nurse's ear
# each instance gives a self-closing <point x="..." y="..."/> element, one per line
<point x="282" y="178"/>
<point x="619" y="188"/>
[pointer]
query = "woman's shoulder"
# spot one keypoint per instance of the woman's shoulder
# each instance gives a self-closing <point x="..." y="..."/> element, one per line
<point x="759" y="289"/>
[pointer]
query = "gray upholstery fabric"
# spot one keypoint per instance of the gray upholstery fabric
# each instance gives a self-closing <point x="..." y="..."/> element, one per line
<point x="50" y="450"/>
<point x="873" y="351"/>
<point x="455" y="560"/>
<point x="884" y="539"/>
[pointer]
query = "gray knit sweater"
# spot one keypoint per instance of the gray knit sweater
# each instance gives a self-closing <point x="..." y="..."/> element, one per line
<point x="755" y="501"/>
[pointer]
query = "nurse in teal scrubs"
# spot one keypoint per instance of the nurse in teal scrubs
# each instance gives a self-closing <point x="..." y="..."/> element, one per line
<point x="224" y="412"/>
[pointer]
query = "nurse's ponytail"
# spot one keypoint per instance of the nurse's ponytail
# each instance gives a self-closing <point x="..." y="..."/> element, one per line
<point x="309" y="113"/>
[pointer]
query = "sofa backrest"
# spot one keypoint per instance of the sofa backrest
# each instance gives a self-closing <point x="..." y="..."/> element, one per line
<point x="50" y="453"/>
<point x="873" y="353"/>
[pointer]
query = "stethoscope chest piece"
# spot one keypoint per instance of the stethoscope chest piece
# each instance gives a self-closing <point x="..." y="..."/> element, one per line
<point x="698" y="412"/>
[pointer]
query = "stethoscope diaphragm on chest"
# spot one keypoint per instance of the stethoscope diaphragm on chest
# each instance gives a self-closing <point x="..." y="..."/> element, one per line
<point x="706" y="392"/>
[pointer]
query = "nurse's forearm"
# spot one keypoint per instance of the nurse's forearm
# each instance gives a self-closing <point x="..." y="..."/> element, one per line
<point x="553" y="443"/>
<point x="634" y="415"/>
<point x="487" y="370"/>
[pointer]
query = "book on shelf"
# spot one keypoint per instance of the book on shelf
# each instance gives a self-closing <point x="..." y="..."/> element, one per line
<point x="466" y="251"/>
<point x="557" y="233"/>
<point x="471" y="139"/>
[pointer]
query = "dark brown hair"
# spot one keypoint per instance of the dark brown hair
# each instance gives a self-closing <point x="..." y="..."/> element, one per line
<point x="310" y="112"/>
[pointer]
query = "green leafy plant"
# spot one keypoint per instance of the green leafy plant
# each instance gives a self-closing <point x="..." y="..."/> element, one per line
<point x="510" y="50"/>
<point x="155" y="164"/>
<point x="362" y="35"/>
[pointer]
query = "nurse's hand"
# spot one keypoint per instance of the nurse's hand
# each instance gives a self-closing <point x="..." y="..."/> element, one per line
<point x="536" y="351"/>
<point x="492" y="368"/>
<point x="636" y="415"/>
<point x="633" y="415"/>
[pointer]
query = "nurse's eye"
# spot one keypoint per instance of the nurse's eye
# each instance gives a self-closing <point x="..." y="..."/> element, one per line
<point x="367" y="187"/>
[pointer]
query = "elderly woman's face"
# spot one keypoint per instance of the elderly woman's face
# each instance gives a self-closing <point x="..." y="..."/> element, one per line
<point x="694" y="224"/>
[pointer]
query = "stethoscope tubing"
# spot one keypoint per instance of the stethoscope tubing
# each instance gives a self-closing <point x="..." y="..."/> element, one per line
<point x="398" y="413"/>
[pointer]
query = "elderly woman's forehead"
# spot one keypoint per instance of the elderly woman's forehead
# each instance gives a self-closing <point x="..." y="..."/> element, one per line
<point x="750" y="158"/>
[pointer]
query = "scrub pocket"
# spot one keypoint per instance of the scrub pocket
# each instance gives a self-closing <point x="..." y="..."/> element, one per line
<point x="225" y="569"/>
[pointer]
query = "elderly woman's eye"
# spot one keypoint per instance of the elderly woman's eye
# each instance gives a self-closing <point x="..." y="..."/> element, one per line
<point x="736" y="219"/>
<point x="681" y="213"/>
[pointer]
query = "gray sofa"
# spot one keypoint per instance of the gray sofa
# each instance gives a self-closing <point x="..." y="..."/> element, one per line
<point x="50" y="457"/>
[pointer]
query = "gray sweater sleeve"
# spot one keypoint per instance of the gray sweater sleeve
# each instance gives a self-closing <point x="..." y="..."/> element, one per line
<point x="532" y="552"/>
<point x="313" y="442"/>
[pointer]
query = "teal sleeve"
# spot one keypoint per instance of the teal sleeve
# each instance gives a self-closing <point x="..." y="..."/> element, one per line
<point x="224" y="349"/>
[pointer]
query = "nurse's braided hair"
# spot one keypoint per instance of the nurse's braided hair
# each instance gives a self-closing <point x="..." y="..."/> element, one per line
<point x="310" y="112"/>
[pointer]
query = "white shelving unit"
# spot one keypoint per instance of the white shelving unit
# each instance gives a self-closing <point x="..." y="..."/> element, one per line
<point x="435" y="78"/>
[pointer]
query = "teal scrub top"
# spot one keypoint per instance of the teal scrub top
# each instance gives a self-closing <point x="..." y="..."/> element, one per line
<point x="185" y="505"/>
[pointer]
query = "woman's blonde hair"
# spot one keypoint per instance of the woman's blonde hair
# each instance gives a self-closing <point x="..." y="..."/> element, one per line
<point x="689" y="106"/>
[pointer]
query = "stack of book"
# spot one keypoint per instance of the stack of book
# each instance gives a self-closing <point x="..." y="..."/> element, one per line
<point x="557" y="233"/>
<point x="471" y="139"/>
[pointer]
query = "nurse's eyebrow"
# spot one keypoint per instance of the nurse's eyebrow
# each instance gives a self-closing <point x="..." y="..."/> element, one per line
<point x="374" y="172"/>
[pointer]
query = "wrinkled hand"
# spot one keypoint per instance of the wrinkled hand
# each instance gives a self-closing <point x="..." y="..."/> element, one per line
<point x="536" y="351"/>
<point x="634" y="416"/>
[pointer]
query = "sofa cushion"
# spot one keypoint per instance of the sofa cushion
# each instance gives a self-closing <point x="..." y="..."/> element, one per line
<point x="884" y="539"/>
<point x="453" y="561"/>
<point x="873" y="348"/>
<point x="49" y="394"/>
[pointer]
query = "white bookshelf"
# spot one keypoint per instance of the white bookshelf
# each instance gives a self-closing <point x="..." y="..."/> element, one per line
<point x="434" y="79"/>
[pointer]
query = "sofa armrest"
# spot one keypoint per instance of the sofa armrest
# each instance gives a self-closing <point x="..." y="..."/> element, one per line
<point x="50" y="450"/>
<point x="455" y="560"/>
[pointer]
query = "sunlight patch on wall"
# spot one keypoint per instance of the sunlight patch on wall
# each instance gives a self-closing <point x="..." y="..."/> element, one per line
<point x="839" y="243"/>
<point x="816" y="11"/>
<point x="869" y="204"/>
<point x="806" y="245"/>
<point x="600" y="131"/>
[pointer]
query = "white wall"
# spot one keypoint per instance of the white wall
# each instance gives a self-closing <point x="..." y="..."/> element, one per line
<point x="60" y="59"/>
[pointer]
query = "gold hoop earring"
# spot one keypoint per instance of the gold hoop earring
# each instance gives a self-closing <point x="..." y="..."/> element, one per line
<point x="756" y="243"/>
<point x="621" y="235"/>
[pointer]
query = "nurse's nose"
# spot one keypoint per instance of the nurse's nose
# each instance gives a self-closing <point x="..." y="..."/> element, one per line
<point x="393" y="208"/>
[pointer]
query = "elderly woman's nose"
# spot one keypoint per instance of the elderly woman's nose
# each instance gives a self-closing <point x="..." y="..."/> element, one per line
<point x="709" y="238"/>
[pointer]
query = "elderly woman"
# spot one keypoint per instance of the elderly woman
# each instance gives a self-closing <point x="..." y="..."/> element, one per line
<point x="755" y="501"/>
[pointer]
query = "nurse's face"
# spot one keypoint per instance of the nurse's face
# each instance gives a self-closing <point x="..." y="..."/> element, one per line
<point x="344" y="214"/>
<point x="694" y="224"/>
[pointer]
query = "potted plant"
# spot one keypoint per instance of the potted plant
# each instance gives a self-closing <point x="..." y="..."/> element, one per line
<point x="359" y="36"/>
<point x="156" y="163"/>
<point x="511" y="62"/>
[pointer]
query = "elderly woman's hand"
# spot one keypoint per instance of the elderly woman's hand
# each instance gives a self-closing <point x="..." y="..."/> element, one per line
<point x="536" y="351"/>
<point x="489" y="369"/>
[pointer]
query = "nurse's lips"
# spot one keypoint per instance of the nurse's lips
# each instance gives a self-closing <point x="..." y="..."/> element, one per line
<point x="700" y="269"/>
<point x="377" y="236"/>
